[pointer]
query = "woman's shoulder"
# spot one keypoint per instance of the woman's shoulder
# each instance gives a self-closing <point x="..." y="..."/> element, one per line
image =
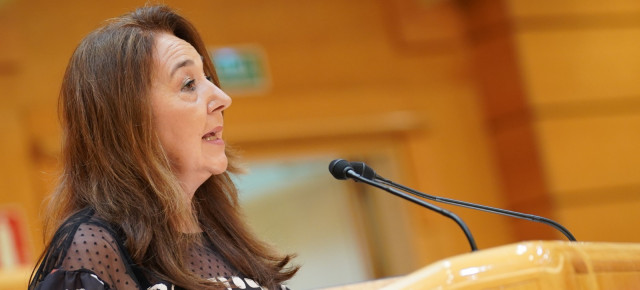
<point x="81" y="231"/>
<point x="85" y="249"/>
<point x="95" y="248"/>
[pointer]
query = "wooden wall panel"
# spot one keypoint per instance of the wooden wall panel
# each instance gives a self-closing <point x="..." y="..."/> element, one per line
<point x="508" y="116"/>
<point x="579" y="61"/>
<point x="580" y="65"/>
<point x="520" y="8"/>
<point x="17" y="189"/>
<point x="602" y="219"/>
<point x="453" y="158"/>
<point x="582" y="154"/>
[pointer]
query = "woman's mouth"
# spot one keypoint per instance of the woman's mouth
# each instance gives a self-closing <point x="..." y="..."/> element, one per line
<point x="210" y="137"/>
<point x="213" y="135"/>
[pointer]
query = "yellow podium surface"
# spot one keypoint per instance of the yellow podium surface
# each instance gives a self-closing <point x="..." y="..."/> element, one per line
<point x="534" y="265"/>
<point x="527" y="265"/>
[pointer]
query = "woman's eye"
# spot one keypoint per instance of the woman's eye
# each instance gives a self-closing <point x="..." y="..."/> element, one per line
<point x="189" y="85"/>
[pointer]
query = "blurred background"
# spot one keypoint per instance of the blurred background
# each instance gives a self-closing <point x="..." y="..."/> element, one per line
<point x="528" y="105"/>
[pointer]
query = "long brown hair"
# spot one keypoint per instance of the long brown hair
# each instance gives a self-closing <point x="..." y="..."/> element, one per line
<point x="113" y="161"/>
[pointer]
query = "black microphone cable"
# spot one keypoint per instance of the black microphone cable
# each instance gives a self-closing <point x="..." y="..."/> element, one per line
<point x="368" y="172"/>
<point x="341" y="169"/>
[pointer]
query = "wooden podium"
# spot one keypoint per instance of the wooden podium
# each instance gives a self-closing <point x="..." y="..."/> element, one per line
<point x="528" y="265"/>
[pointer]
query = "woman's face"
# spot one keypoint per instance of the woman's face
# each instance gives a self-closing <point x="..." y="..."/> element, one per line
<point x="187" y="112"/>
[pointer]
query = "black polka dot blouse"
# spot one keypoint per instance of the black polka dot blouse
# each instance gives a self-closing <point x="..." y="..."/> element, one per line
<point x="85" y="253"/>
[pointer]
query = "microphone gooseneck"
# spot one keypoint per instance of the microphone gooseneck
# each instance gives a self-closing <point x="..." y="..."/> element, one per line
<point x="362" y="167"/>
<point x="342" y="169"/>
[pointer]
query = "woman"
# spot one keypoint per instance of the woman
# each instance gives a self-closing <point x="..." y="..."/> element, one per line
<point x="145" y="199"/>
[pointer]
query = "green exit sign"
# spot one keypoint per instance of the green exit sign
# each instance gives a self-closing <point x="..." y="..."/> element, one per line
<point x="241" y="69"/>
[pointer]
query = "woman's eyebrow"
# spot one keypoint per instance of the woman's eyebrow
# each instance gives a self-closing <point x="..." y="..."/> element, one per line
<point x="179" y="65"/>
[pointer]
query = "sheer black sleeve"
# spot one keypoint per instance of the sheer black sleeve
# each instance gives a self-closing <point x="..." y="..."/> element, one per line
<point x="84" y="254"/>
<point x="94" y="249"/>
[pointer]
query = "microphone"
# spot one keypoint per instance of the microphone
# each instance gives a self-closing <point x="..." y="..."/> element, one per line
<point x="364" y="170"/>
<point x="342" y="169"/>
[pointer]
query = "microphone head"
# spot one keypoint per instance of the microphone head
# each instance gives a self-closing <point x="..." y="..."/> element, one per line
<point x="363" y="170"/>
<point x="339" y="168"/>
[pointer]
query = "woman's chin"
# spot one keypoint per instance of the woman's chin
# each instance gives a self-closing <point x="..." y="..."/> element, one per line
<point x="219" y="168"/>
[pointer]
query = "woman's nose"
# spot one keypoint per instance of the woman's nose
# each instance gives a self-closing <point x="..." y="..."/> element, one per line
<point x="218" y="101"/>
